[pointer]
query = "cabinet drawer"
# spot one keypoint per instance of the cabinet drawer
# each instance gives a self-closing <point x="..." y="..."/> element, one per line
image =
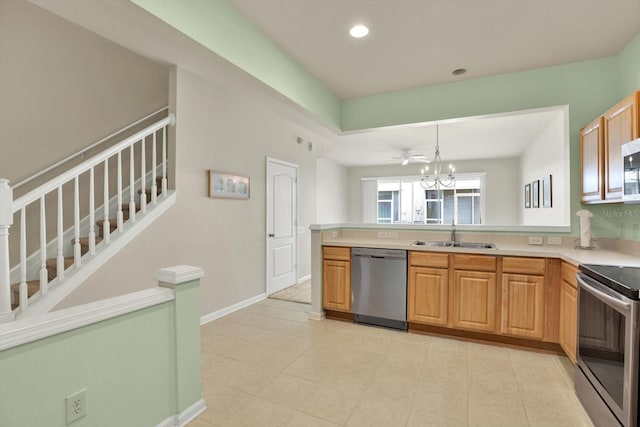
<point x="474" y="262"/>
<point x="535" y="266"/>
<point x="334" y="252"/>
<point x="428" y="259"/>
<point x="568" y="274"/>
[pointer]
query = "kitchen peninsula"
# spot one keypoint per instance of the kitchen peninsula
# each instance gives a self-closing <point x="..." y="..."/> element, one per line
<point x="517" y="293"/>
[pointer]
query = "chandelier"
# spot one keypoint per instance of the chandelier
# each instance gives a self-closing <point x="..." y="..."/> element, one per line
<point x="437" y="180"/>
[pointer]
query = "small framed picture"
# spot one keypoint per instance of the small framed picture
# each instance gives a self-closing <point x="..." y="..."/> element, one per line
<point x="228" y="186"/>
<point x="535" y="194"/>
<point x="547" y="199"/>
<point x="527" y="196"/>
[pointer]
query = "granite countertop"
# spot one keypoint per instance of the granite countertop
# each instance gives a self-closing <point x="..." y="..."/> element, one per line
<point x="569" y="254"/>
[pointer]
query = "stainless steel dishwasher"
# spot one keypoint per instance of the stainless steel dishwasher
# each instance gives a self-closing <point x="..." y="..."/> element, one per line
<point x="379" y="286"/>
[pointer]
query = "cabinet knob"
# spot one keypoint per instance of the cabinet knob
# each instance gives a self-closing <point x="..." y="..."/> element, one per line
<point x="272" y="235"/>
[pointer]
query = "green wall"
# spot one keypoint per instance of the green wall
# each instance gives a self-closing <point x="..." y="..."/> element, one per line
<point x="216" y="25"/>
<point x="126" y="365"/>
<point x="589" y="88"/>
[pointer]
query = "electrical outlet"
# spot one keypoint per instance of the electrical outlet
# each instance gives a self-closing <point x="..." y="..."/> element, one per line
<point x="536" y="240"/>
<point x="300" y="230"/>
<point x="334" y="234"/>
<point x="554" y="240"/>
<point x="76" y="405"/>
<point x="393" y="235"/>
<point x="383" y="234"/>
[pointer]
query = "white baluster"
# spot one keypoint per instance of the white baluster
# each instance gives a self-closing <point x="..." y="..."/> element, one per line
<point x="24" y="289"/>
<point x="119" y="216"/>
<point x="164" y="161"/>
<point x="77" y="254"/>
<point x="60" y="258"/>
<point x="44" y="276"/>
<point x="154" y="187"/>
<point x="92" y="214"/>
<point x="106" y="228"/>
<point x="143" y="178"/>
<point x="132" y="185"/>
<point x="6" y="219"/>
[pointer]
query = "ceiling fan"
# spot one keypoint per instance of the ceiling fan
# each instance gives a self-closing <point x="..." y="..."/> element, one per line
<point x="407" y="156"/>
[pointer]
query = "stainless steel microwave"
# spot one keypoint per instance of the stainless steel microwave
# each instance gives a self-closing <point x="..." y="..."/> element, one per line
<point x="631" y="171"/>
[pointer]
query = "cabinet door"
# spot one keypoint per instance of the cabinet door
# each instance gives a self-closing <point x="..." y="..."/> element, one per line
<point x="428" y="295"/>
<point x="473" y="300"/>
<point x="591" y="161"/>
<point x="523" y="305"/>
<point x="620" y="127"/>
<point x="336" y="285"/>
<point x="568" y="319"/>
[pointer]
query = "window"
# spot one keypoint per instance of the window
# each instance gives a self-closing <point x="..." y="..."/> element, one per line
<point x="404" y="201"/>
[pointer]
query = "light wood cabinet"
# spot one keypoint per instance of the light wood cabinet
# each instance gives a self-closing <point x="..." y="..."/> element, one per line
<point x="472" y="295"/>
<point x="620" y="127"/>
<point x="428" y="288"/>
<point x="600" y="150"/>
<point x="569" y="311"/>
<point x="336" y="279"/>
<point x="523" y="306"/>
<point x="591" y="161"/>
<point x="523" y="297"/>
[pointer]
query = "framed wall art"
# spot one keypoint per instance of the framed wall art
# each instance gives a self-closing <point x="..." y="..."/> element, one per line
<point x="228" y="186"/>
<point x="547" y="199"/>
<point x="527" y="196"/>
<point x="535" y="194"/>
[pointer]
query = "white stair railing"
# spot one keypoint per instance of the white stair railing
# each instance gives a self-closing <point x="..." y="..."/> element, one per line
<point x="36" y="199"/>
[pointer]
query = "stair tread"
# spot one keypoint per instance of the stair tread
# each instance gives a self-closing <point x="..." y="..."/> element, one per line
<point x="53" y="262"/>
<point x="33" y="286"/>
<point x="84" y="241"/>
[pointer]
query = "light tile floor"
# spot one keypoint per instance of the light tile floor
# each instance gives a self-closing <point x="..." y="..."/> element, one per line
<point x="300" y="292"/>
<point x="268" y="365"/>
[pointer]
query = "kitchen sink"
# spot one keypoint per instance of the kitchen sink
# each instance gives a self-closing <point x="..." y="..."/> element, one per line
<point x="450" y="244"/>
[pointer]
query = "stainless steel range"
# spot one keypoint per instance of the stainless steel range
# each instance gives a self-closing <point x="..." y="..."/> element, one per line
<point x="606" y="374"/>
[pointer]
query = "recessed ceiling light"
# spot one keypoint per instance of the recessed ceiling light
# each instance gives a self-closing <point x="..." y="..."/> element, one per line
<point x="358" y="31"/>
<point x="459" y="71"/>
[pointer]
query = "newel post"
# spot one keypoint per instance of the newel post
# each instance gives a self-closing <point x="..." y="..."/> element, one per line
<point x="6" y="219"/>
<point x="185" y="281"/>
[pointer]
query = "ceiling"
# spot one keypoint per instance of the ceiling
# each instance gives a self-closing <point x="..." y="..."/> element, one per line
<point x="417" y="43"/>
<point x="486" y="137"/>
<point x="414" y="43"/>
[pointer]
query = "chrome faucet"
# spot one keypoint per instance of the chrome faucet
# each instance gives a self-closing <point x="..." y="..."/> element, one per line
<point x="453" y="231"/>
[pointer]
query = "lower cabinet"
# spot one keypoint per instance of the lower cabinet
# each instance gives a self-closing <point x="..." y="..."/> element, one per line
<point x="523" y="307"/>
<point x="428" y="295"/>
<point x="569" y="311"/>
<point x="336" y="279"/>
<point x="473" y="300"/>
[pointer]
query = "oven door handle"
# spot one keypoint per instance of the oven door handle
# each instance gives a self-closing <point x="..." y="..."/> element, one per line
<point x="593" y="287"/>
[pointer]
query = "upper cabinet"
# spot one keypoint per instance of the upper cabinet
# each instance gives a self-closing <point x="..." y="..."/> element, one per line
<point x="600" y="150"/>
<point x="591" y="161"/>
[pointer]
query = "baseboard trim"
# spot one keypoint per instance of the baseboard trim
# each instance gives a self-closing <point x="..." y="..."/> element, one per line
<point x="230" y="309"/>
<point x="304" y="279"/>
<point x="185" y="416"/>
<point x="316" y="316"/>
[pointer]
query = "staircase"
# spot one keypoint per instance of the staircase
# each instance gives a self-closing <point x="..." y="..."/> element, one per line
<point x="34" y="285"/>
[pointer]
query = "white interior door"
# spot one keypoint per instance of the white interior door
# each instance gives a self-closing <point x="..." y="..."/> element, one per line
<point x="282" y="189"/>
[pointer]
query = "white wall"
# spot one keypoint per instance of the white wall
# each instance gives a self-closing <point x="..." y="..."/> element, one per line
<point x="63" y="87"/>
<point x="231" y="129"/>
<point x="502" y="194"/>
<point x="546" y="155"/>
<point x="332" y="180"/>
